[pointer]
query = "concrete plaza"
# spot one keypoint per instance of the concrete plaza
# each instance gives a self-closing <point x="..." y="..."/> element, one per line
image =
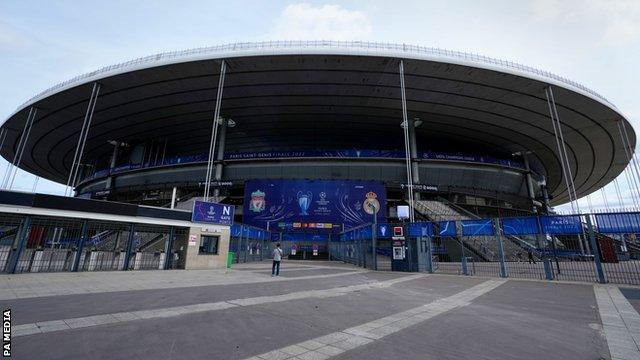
<point x="315" y="310"/>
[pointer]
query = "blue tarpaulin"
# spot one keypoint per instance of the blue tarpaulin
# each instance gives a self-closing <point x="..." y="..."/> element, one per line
<point x="420" y="229"/>
<point x="447" y="228"/>
<point x="520" y="226"/>
<point x="481" y="227"/>
<point x="623" y="223"/>
<point x="561" y="225"/>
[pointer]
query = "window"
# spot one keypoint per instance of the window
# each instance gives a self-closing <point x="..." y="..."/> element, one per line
<point x="208" y="245"/>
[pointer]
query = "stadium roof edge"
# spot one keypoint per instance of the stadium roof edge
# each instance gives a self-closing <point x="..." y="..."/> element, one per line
<point x="321" y="47"/>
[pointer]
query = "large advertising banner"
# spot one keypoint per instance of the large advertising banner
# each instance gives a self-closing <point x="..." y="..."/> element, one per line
<point x="324" y="205"/>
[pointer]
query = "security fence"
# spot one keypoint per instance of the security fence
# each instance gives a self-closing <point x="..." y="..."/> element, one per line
<point x="249" y="243"/>
<point x="591" y="247"/>
<point x="30" y="243"/>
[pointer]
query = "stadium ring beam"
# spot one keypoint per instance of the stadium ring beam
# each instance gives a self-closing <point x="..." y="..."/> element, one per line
<point x="302" y="95"/>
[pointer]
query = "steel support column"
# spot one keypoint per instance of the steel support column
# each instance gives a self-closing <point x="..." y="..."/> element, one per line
<point x="429" y="254"/>
<point x="18" y="245"/>
<point x="633" y="179"/>
<point x="407" y="150"/>
<point x="413" y="147"/>
<point x="596" y="253"/>
<point x="503" y="265"/>
<point x="167" y="248"/>
<point x="529" y="179"/>
<point x="13" y="168"/>
<point x="3" y="137"/>
<point x="82" y="139"/>
<point x="112" y="163"/>
<point x="562" y="155"/>
<point x="84" y="232"/>
<point x="214" y="130"/>
<point x="220" y="155"/>
<point x="127" y="257"/>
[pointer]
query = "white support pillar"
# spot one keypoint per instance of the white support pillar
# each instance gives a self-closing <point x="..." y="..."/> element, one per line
<point x="112" y="163"/>
<point x="82" y="139"/>
<point x="10" y="175"/>
<point x="562" y="155"/>
<point x="414" y="154"/>
<point x="214" y="130"/>
<point x="407" y="150"/>
<point x="173" y="197"/>
<point x="222" y="139"/>
<point x="529" y="180"/>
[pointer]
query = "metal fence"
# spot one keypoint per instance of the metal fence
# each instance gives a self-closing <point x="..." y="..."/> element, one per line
<point x="588" y="248"/>
<point x="54" y="244"/>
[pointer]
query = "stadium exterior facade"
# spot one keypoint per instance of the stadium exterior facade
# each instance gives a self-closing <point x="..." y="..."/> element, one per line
<point x="480" y="135"/>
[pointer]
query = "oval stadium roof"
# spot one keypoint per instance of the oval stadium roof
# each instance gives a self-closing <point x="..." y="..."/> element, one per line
<point x="352" y="85"/>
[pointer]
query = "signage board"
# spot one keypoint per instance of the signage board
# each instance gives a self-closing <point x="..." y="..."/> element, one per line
<point x="398" y="253"/>
<point x="193" y="240"/>
<point x="398" y="231"/>
<point x="212" y="213"/>
<point x="403" y="211"/>
<point x="421" y="187"/>
<point x="316" y="205"/>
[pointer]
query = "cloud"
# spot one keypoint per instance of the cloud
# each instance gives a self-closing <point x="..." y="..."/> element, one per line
<point x="617" y="21"/>
<point x="304" y="21"/>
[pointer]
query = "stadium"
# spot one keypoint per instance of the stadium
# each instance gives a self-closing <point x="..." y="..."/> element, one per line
<point x="320" y="111"/>
<point x="319" y="137"/>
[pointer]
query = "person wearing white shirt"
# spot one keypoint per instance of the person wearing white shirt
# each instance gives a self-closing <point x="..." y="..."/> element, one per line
<point x="277" y="257"/>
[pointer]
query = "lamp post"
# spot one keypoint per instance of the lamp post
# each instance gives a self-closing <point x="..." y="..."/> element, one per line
<point x="374" y="234"/>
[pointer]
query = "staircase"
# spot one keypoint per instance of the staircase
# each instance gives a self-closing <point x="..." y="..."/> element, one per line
<point x="485" y="246"/>
<point x="437" y="211"/>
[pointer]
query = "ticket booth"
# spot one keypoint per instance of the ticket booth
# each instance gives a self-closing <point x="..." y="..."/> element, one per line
<point x="209" y="235"/>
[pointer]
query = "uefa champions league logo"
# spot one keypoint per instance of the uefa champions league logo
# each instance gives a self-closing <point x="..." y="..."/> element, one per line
<point x="383" y="230"/>
<point x="304" y="201"/>
<point x="211" y="211"/>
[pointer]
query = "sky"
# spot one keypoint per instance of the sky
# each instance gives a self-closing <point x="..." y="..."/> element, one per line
<point x="596" y="43"/>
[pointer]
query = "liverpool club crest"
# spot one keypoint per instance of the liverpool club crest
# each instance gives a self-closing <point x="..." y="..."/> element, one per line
<point x="257" y="201"/>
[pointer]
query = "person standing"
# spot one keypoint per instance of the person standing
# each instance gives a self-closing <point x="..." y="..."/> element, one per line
<point x="530" y="255"/>
<point x="277" y="257"/>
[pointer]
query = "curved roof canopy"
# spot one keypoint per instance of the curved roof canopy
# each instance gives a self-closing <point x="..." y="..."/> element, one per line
<point x="337" y="90"/>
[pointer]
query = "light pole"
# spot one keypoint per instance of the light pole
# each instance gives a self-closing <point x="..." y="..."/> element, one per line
<point x="374" y="235"/>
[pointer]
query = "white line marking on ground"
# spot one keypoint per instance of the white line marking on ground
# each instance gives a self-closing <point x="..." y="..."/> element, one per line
<point x="55" y="284"/>
<point x="338" y="342"/>
<point x="620" y="321"/>
<point x="88" y="321"/>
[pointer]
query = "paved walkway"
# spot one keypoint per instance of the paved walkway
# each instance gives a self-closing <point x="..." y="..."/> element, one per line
<point x="314" y="310"/>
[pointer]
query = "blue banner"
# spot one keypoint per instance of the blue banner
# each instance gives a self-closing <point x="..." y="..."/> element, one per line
<point x="420" y="229"/>
<point x="561" y="225"/>
<point x="212" y="213"/>
<point x="624" y="223"/>
<point x="520" y="226"/>
<point x="447" y="228"/>
<point x="313" y="205"/>
<point x="481" y="227"/>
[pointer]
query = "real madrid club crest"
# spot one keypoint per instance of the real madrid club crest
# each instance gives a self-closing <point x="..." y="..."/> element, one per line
<point x="371" y="204"/>
<point x="257" y="201"/>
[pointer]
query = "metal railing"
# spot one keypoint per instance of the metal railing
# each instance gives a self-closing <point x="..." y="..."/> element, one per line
<point x="358" y="47"/>
<point x="588" y="247"/>
<point x="30" y="243"/>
